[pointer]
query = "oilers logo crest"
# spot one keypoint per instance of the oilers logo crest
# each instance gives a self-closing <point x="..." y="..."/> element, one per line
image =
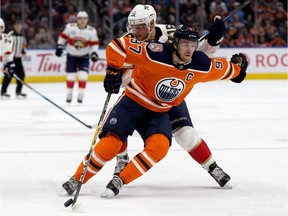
<point x="169" y="89"/>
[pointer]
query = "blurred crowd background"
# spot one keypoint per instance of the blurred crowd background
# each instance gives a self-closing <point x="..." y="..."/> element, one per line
<point x="263" y="23"/>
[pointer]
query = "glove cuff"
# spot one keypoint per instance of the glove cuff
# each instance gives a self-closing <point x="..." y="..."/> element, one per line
<point x="240" y="77"/>
<point x="214" y="41"/>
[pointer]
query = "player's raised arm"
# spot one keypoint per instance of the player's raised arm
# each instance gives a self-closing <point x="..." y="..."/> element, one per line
<point x="212" y="42"/>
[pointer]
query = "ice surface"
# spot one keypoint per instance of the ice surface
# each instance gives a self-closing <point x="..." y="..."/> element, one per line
<point x="245" y="125"/>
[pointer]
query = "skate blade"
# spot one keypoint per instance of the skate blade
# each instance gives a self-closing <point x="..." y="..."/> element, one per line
<point x="227" y="185"/>
<point x="107" y="194"/>
<point x="63" y="193"/>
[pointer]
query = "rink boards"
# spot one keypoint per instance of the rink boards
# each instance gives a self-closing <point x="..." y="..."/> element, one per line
<point x="44" y="66"/>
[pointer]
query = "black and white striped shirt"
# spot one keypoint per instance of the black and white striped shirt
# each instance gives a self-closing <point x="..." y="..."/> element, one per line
<point x="19" y="44"/>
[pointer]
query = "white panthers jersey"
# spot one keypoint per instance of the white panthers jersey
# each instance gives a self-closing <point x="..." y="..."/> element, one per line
<point x="6" y="47"/>
<point x="162" y="33"/>
<point x="79" y="42"/>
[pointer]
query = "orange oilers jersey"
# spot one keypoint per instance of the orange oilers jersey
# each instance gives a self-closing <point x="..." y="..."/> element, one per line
<point x="79" y="42"/>
<point x="158" y="83"/>
<point x="162" y="31"/>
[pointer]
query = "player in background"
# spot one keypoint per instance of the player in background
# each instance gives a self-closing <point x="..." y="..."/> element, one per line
<point x="164" y="74"/>
<point x="142" y="25"/>
<point x="81" y="41"/>
<point x="19" y="50"/>
<point x="6" y="53"/>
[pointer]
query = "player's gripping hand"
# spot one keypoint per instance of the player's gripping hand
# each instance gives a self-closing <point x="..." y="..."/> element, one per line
<point x="113" y="80"/>
<point x="216" y="30"/>
<point x="241" y="60"/>
<point x="59" y="50"/>
<point x="9" y="69"/>
<point x="94" y="56"/>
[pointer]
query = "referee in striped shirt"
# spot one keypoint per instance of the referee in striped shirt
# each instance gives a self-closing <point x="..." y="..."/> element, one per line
<point x="19" y="49"/>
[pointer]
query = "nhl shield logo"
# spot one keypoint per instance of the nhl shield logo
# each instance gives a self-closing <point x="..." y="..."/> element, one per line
<point x="169" y="89"/>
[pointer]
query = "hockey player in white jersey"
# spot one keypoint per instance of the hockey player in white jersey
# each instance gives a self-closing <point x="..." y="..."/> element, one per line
<point x="6" y="52"/>
<point x="81" y="41"/>
<point x="142" y="25"/>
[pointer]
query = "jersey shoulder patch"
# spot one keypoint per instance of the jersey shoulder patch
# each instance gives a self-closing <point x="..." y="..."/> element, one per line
<point x="153" y="50"/>
<point x="155" y="47"/>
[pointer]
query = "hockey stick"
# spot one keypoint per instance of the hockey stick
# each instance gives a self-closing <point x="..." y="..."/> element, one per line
<point x="99" y="59"/>
<point x="73" y="201"/>
<point x="230" y="15"/>
<point x="20" y="80"/>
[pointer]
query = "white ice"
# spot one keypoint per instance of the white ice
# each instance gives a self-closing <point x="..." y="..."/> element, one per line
<point x="245" y="125"/>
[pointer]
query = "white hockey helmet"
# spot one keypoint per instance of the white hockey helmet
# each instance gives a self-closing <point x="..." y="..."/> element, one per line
<point x="82" y="14"/>
<point x="142" y="14"/>
<point x="2" y="25"/>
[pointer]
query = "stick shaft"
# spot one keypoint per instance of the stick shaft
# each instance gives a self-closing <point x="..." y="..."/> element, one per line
<point x="91" y="148"/>
<point x="37" y="92"/>
<point x="229" y="16"/>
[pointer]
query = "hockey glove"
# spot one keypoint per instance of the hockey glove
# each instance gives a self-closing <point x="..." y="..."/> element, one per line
<point x="240" y="60"/>
<point x="9" y="69"/>
<point x="59" y="50"/>
<point x="113" y="80"/>
<point x="94" y="56"/>
<point x="216" y="30"/>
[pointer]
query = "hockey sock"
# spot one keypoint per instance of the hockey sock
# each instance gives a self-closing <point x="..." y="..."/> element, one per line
<point x="155" y="149"/>
<point x="202" y="154"/>
<point x="82" y="84"/>
<point x="123" y="149"/>
<point x="69" y="84"/>
<point x="83" y="77"/>
<point x="105" y="150"/>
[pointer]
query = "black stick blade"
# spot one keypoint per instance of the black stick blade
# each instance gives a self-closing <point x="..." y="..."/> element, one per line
<point x="68" y="202"/>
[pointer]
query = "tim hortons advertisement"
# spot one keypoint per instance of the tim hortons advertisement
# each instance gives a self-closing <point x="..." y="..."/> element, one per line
<point x="263" y="63"/>
<point x="45" y="63"/>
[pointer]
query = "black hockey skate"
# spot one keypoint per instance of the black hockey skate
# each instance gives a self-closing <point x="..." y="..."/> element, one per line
<point x="70" y="186"/>
<point x="69" y="98"/>
<point x="5" y="95"/>
<point x="20" y="95"/>
<point x="219" y="175"/>
<point x="113" y="187"/>
<point x="80" y="97"/>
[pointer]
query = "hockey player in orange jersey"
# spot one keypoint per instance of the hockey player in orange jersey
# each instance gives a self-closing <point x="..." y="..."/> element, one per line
<point x="142" y="26"/>
<point x="163" y="76"/>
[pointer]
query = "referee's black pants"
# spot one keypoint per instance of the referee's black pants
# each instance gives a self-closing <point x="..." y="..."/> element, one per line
<point x="19" y="71"/>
